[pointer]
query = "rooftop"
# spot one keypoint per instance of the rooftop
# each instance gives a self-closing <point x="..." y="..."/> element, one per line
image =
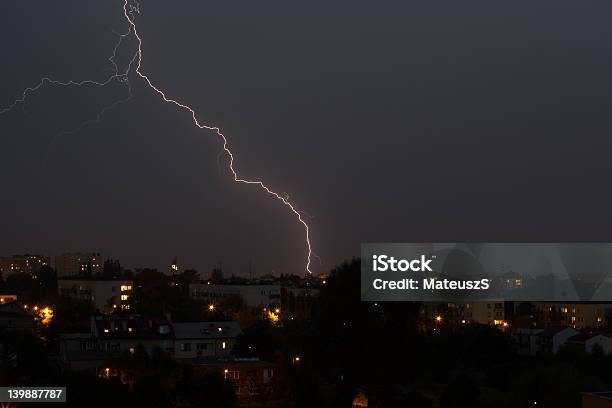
<point x="585" y="336"/>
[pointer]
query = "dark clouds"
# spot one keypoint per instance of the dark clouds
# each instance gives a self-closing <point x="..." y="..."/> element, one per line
<point x="387" y="121"/>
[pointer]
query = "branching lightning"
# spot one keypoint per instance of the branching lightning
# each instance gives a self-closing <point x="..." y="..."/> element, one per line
<point x="130" y="10"/>
<point x="120" y="77"/>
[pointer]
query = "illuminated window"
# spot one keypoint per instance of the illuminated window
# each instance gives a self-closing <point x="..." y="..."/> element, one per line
<point x="231" y="375"/>
<point x="124" y="297"/>
<point x="223" y="345"/>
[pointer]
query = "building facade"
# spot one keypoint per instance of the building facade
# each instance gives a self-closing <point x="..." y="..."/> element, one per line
<point x="576" y="315"/>
<point x="112" y="336"/>
<point x="14" y="317"/>
<point x="204" y="339"/>
<point x="254" y="296"/>
<point x="78" y="264"/>
<point x="550" y="340"/>
<point x="253" y="379"/>
<point x="589" y="342"/>
<point x="8" y="298"/>
<point x="105" y="295"/>
<point x="27" y="263"/>
<point x="490" y="312"/>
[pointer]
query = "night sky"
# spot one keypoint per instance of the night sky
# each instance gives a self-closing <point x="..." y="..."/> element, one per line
<point x="384" y="120"/>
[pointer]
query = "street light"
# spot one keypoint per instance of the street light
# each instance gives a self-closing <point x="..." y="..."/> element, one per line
<point x="211" y="307"/>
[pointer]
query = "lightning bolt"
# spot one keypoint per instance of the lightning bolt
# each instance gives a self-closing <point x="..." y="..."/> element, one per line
<point x="129" y="12"/>
<point x="122" y="78"/>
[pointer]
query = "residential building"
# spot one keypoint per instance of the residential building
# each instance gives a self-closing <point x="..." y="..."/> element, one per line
<point x="576" y="315"/>
<point x="121" y="334"/>
<point x="252" y="378"/>
<point x="490" y="312"/>
<point x="550" y="340"/>
<point x="487" y="312"/>
<point x="110" y="336"/>
<point x="204" y="339"/>
<point x="6" y="298"/>
<point x="14" y="317"/>
<point x="254" y="296"/>
<point x="106" y="295"/>
<point x="27" y="263"/>
<point x="526" y="340"/>
<point x="78" y="264"/>
<point x="589" y="341"/>
<point x="79" y="351"/>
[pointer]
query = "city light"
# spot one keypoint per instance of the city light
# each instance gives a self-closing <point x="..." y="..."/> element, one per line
<point x="438" y="319"/>
<point x="211" y="307"/>
<point x="106" y="373"/>
<point x="273" y="317"/>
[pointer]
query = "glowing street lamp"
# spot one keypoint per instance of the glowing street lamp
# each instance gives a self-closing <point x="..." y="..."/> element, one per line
<point x="211" y="307"/>
<point x="438" y="320"/>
